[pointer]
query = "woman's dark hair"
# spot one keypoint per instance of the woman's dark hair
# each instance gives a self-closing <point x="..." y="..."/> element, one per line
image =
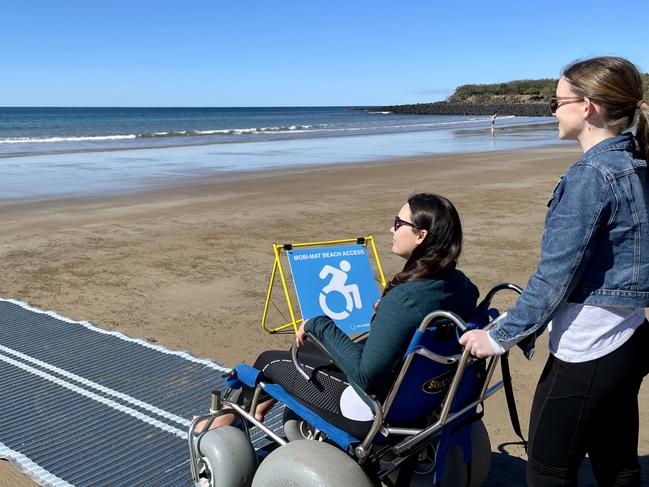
<point x="615" y="84"/>
<point x="442" y="245"/>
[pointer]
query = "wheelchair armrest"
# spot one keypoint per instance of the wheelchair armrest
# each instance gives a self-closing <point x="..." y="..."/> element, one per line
<point x="297" y="364"/>
<point x="294" y="351"/>
<point x="323" y="349"/>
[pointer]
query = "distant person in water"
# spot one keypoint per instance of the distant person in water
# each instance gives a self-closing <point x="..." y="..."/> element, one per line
<point x="493" y="123"/>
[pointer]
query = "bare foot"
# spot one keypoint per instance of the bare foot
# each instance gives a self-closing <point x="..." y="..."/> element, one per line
<point x="229" y="419"/>
<point x="222" y="420"/>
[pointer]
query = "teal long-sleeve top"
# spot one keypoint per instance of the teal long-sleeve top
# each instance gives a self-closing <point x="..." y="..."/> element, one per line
<point x="371" y="364"/>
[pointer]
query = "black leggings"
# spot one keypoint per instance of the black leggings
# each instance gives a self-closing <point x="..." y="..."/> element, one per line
<point x="321" y="394"/>
<point x="589" y="407"/>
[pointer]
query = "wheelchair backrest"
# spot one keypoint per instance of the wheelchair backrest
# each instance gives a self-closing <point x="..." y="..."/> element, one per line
<point x="425" y="382"/>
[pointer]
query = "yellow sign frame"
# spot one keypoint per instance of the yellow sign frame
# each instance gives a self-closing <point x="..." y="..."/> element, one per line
<point x="277" y="265"/>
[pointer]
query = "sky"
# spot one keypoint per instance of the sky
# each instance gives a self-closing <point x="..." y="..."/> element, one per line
<point x="290" y="53"/>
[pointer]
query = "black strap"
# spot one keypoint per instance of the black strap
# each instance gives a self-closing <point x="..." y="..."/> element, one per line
<point x="509" y="395"/>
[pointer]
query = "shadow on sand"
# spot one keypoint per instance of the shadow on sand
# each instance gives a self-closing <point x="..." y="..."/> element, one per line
<point x="507" y="469"/>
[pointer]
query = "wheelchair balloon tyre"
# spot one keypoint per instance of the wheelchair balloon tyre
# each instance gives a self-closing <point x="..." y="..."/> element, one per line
<point x="306" y="463"/>
<point x="457" y="473"/>
<point x="481" y="460"/>
<point x="295" y="428"/>
<point x="227" y="458"/>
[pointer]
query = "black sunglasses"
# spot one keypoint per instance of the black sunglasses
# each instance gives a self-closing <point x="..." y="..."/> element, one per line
<point x="398" y="223"/>
<point x="557" y="101"/>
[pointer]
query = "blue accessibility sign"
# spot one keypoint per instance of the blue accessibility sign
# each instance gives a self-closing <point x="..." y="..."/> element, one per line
<point x="336" y="281"/>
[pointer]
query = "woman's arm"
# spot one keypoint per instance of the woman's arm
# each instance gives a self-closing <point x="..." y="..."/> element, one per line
<point x="577" y="211"/>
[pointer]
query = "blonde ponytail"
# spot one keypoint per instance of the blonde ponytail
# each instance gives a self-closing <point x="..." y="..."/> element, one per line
<point x="642" y="131"/>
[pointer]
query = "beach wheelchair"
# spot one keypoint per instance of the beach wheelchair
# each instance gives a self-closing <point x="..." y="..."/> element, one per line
<point x="429" y="423"/>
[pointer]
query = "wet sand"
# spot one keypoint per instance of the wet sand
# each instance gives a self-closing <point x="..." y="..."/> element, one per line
<point x="188" y="267"/>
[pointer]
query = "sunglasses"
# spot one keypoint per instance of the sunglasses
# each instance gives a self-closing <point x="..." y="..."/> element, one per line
<point x="398" y="223"/>
<point x="557" y="101"/>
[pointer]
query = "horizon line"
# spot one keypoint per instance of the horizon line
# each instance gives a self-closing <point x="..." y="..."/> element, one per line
<point x="199" y="106"/>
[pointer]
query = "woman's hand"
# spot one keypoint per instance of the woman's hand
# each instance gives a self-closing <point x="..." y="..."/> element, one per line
<point x="301" y="337"/>
<point x="477" y="343"/>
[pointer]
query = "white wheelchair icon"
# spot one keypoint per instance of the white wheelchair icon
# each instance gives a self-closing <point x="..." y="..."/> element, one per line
<point x="338" y="283"/>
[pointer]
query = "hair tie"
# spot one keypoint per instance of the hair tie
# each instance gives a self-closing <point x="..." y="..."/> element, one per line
<point x="640" y="103"/>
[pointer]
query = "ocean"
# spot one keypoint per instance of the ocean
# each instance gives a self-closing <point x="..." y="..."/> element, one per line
<point x="52" y="152"/>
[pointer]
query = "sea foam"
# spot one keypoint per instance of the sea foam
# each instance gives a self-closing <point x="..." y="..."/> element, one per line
<point x="83" y="138"/>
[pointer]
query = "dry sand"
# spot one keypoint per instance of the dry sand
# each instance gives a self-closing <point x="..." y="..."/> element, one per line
<point x="188" y="267"/>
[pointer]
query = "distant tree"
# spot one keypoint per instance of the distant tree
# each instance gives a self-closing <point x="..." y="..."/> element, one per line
<point x="516" y="91"/>
<point x="485" y="92"/>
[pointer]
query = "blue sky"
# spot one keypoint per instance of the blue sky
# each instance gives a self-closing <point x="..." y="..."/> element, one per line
<point x="289" y="53"/>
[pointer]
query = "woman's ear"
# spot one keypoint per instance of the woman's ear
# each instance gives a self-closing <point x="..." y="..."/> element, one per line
<point x="421" y="236"/>
<point x="590" y="109"/>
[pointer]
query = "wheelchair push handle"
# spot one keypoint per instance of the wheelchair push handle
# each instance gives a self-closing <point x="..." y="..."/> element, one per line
<point x="483" y="306"/>
<point x="504" y="286"/>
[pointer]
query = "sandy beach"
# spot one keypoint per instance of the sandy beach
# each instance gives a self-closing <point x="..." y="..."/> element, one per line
<point x="188" y="267"/>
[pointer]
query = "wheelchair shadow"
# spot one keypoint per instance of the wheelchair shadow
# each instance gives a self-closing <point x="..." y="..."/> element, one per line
<point x="508" y="469"/>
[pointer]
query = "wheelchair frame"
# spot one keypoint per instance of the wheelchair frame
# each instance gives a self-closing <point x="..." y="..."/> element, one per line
<point x="390" y="456"/>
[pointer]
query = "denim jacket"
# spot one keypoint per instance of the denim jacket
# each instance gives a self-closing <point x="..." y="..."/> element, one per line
<point x="595" y="244"/>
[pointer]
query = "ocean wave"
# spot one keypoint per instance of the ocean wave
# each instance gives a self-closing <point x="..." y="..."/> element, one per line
<point x="84" y="138"/>
<point x="380" y="113"/>
<point x="155" y="135"/>
<point x="322" y="128"/>
<point x="242" y="131"/>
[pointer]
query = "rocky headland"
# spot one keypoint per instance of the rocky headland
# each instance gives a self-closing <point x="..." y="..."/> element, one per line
<point x="522" y="98"/>
<point x="463" y="108"/>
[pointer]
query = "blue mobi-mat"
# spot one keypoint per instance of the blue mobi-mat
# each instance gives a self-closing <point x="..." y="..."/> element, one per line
<point x="84" y="406"/>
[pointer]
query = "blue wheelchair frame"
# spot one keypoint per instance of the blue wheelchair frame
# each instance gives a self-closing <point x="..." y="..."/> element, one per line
<point x="387" y="446"/>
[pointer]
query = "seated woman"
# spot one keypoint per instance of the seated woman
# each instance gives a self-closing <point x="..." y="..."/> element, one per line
<point x="428" y="234"/>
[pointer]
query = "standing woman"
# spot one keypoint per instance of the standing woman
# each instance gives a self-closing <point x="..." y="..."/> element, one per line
<point x="593" y="283"/>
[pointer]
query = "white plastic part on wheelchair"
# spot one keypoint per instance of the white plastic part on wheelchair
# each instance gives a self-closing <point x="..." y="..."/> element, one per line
<point x="430" y="420"/>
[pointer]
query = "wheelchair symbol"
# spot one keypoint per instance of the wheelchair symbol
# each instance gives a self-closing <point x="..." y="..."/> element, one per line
<point x="338" y="283"/>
